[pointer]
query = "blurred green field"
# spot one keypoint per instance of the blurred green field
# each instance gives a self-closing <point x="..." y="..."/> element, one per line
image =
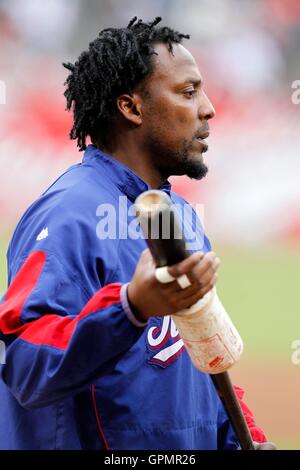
<point x="259" y="288"/>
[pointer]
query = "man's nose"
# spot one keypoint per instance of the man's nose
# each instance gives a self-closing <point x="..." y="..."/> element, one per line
<point x="206" y="109"/>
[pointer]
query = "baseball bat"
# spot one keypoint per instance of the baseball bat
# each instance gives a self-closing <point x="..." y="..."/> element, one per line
<point x="167" y="245"/>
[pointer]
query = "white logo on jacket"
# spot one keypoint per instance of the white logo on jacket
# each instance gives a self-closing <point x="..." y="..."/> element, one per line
<point x="157" y="338"/>
<point x="42" y="234"/>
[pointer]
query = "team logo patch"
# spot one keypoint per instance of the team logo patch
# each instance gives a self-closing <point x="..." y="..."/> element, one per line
<point x="164" y="342"/>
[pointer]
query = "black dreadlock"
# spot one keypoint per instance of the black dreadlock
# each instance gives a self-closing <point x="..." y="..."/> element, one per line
<point x="115" y="63"/>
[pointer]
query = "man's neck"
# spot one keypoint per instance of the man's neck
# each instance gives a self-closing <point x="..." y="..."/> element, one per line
<point x="138" y="162"/>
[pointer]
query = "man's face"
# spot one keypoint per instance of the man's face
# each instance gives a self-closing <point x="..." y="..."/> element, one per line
<point x="175" y="114"/>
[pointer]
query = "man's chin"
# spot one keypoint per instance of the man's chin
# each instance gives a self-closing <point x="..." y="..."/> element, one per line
<point x="195" y="169"/>
<point x="192" y="166"/>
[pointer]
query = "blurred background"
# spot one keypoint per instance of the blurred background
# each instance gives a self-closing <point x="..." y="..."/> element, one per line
<point x="248" y="54"/>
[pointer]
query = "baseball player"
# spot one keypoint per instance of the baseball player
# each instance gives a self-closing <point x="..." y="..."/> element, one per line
<point x="93" y="358"/>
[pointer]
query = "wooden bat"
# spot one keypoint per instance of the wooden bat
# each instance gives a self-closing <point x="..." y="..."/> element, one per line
<point x="167" y="244"/>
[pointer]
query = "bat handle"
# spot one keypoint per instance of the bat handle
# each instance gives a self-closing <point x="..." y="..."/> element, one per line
<point x="232" y="406"/>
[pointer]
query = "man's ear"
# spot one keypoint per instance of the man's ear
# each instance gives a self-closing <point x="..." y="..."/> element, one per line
<point x="130" y="107"/>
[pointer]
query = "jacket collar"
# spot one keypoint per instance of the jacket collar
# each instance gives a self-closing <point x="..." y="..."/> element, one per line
<point x="123" y="177"/>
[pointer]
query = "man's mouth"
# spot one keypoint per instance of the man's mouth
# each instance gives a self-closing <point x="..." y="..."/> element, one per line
<point x="201" y="139"/>
<point x="203" y="144"/>
<point x="203" y="135"/>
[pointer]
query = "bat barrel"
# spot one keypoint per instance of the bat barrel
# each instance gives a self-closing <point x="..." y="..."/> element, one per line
<point x="161" y="228"/>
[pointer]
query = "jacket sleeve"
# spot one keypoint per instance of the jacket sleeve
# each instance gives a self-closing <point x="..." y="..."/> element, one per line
<point x="59" y="335"/>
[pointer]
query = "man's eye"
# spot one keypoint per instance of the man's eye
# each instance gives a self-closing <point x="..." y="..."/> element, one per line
<point x="190" y="93"/>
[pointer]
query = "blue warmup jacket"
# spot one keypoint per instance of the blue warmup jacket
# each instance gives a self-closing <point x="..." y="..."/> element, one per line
<point x="79" y="374"/>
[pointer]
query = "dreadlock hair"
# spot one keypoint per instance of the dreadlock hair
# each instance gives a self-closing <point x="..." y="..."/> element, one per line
<point x="115" y="63"/>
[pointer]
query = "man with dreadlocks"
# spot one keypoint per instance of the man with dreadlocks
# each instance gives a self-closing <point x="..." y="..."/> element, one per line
<point x="93" y="358"/>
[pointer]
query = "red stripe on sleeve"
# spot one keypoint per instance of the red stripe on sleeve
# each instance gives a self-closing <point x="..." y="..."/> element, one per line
<point x="50" y="329"/>
<point x="57" y="331"/>
<point x="19" y="291"/>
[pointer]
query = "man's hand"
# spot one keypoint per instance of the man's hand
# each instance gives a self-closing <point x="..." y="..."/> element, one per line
<point x="148" y="297"/>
